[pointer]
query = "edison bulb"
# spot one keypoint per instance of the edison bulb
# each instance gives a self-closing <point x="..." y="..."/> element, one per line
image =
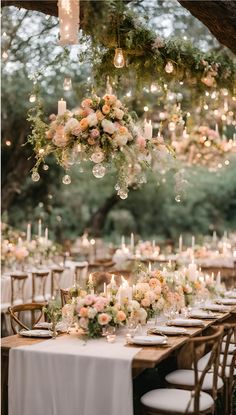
<point x="119" y="60"/>
<point x="169" y="67"/>
<point x="67" y="84"/>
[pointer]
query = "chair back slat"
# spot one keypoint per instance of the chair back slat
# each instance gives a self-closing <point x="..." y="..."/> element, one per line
<point x="16" y="315"/>
<point x="39" y="279"/>
<point x="56" y="274"/>
<point x="17" y="287"/>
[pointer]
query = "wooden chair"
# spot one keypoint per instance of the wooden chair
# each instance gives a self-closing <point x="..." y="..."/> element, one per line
<point x="180" y="400"/>
<point x="16" y="315"/>
<point x="80" y="270"/>
<point x="39" y="279"/>
<point x="227" y="274"/>
<point x="227" y="362"/>
<point x="56" y="274"/>
<point x="66" y="296"/>
<point x="17" y="282"/>
<point x="100" y="266"/>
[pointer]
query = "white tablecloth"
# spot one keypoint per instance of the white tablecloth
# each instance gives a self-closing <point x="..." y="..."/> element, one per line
<point x="66" y="377"/>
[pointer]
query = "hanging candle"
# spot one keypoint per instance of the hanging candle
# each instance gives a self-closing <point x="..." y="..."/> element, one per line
<point x="169" y="67"/>
<point x="119" y="60"/>
<point x="68" y="12"/>
<point x="67" y="84"/>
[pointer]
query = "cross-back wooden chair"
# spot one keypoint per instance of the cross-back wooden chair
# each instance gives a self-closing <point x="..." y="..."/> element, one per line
<point x="39" y="279"/>
<point x="180" y="400"/>
<point x="66" y="296"/>
<point x="228" y="360"/>
<point x="100" y="266"/>
<point x="80" y="273"/>
<point x="56" y="274"/>
<point x="16" y="313"/>
<point x="17" y="287"/>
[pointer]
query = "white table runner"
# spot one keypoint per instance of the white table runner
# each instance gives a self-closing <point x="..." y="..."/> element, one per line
<point x="64" y="376"/>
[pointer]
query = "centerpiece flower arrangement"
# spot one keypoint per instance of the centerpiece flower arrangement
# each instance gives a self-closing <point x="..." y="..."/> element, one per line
<point x="153" y="293"/>
<point x="102" y="131"/>
<point x="94" y="312"/>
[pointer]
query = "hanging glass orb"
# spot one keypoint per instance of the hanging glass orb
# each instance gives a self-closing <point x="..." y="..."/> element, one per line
<point x="67" y="84"/>
<point x="97" y="156"/>
<point x="99" y="171"/>
<point x="66" y="179"/>
<point x="117" y="187"/>
<point x="178" y="198"/>
<point x="169" y="67"/>
<point x="45" y="167"/>
<point x="35" y="176"/>
<point x="32" y="98"/>
<point x="123" y="194"/>
<point x="119" y="60"/>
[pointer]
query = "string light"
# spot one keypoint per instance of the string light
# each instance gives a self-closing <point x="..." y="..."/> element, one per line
<point x="145" y="109"/>
<point x="8" y="143"/>
<point x="119" y="60"/>
<point x="67" y="84"/>
<point x="32" y="98"/>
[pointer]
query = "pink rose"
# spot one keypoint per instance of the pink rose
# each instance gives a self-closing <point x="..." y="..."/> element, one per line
<point x="52" y="117"/>
<point x="100" y="304"/>
<point x="141" y="142"/>
<point x="121" y="316"/>
<point x="76" y="131"/>
<point x="83" y="312"/>
<point x="153" y="282"/>
<point x="83" y="323"/>
<point x="94" y="133"/>
<point x="60" y="139"/>
<point x="49" y="134"/>
<point x="145" y="302"/>
<point x="89" y="299"/>
<point x="104" y="319"/>
<point x="86" y="103"/>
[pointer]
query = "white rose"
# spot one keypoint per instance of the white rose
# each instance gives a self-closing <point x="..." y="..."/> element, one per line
<point x="92" y="119"/>
<point x="121" y="140"/>
<point x="119" y="113"/>
<point x="71" y="124"/>
<point x="92" y="312"/>
<point x="142" y="315"/>
<point x="108" y="126"/>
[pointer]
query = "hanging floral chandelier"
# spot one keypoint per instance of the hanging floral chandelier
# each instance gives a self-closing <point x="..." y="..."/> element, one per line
<point x="100" y="131"/>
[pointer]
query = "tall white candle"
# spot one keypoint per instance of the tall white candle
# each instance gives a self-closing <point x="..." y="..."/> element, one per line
<point x="61" y="106"/>
<point x="105" y="288"/>
<point x="39" y="228"/>
<point x="193" y="242"/>
<point x="122" y="241"/>
<point x="149" y="266"/>
<point x="28" y="234"/>
<point x="180" y="243"/>
<point x="132" y="242"/>
<point x="218" y="279"/>
<point x="214" y="236"/>
<point x="46" y="234"/>
<point x="192" y="271"/>
<point x="148" y="130"/>
<point x="154" y="244"/>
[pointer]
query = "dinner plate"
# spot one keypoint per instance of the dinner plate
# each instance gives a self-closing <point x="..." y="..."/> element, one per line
<point x="148" y="340"/>
<point x="43" y="325"/>
<point x="203" y="314"/>
<point x="226" y="301"/>
<point x="216" y="307"/>
<point x="35" y="333"/>
<point x="172" y="331"/>
<point x="188" y="322"/>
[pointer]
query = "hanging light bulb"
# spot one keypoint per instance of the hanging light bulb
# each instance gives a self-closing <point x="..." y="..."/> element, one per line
<point x="119" y="60"/>
<point x="32" y="98"/>
<point x="67" y="84"/>
<point x="169" y="67"/>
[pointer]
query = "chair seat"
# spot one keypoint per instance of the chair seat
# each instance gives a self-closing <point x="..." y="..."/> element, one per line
<point x="186" y="378"/>
<point x="227" y="371"/>
<point x="232" y="347"/>
<point x="228" y="359"/>
<point x="175" y="401"/>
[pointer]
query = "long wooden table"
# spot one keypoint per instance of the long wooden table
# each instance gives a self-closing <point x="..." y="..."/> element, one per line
<point x="148" y="357"/>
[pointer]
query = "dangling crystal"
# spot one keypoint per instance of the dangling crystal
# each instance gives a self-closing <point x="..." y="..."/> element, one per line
<point x="35" y="176"/>
<point x="178" y="198"/>
<point x="99" y="171"/>
<point x="97" y="156"/>
<point x="32" y="98"/>
<point x="45" y="167"/>
<point x="66" y="179"/>
<point x="67" y="84"/>
<point x="169" y="67"/>
<point x="123" y="194"/>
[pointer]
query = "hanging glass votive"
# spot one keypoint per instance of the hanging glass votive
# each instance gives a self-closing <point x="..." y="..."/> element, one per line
<point x="67" y="84"/>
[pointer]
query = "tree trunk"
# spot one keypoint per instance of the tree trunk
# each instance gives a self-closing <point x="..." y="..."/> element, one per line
<point x="97" y="221"/>
<point x="218" y="16"/>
